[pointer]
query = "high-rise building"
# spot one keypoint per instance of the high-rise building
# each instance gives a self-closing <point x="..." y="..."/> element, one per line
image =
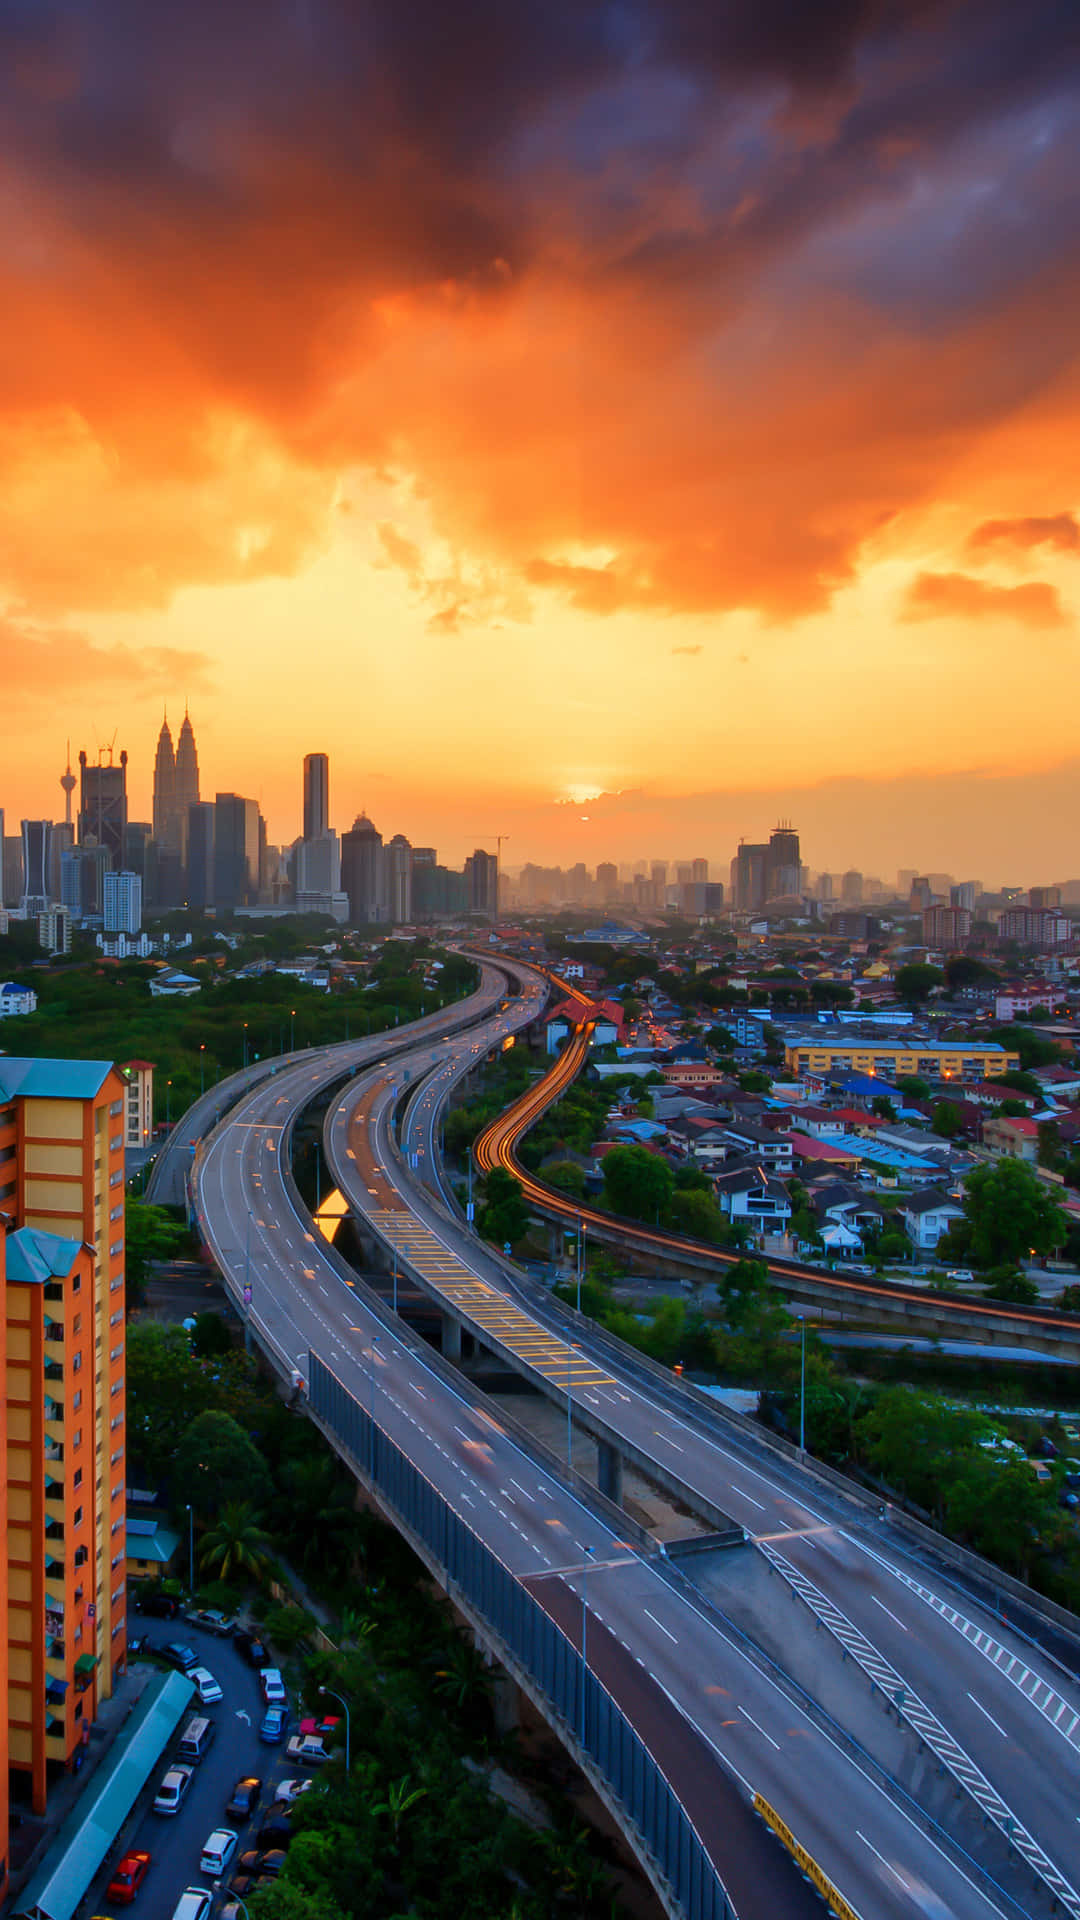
<point x="825" y="887"/>
<point x="946" y="926"/>
<point x="964" y="895"/>
<point x="200" y="844"/>
<point x="164" y="785"/>
<point x="37" y="850"/>
<point x="783" y="863"/>
<point x="607" y="881"/>
<point x="482" y="883"/>
<point x="699" y="872"/>
<point x="851" y="887"/>
<point x="922" y="894"/>
<point x="398" y="858"/>
<point x="905" y="880"/>
<point x="103" y="807"/>
<point x="186" y="780"/>
<point x="62" y="1137"/>
<point x="316" y="795"/>
<point x="82" y="881"/>
<point x="1042" y="899"/>
<point x="236" y="851"/>
<point x="362" y="873"/>
<point x="61" y="840"/>
<point x="54" y="930"/>
<point x="1041" y="928"/>
<point x="13" y="870"/>
<point x="749" y="876"/>
<point x="123" y="903"/>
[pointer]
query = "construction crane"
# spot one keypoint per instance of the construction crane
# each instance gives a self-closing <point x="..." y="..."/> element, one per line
<point x="498" y="839"/>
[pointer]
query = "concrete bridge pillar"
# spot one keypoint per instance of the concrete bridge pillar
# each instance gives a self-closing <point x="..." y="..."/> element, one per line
<point x="451" y="1338"/>
<point x="609" y="1471"/>
<point x="555" y="1242"/>
<point x="505" y="1701"/>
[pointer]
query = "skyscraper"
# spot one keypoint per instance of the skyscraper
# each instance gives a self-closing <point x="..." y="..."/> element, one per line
<point x="316" y="795"/>
<point x="36" y="848"/>
<point x="482" y="883"/>
<point x="236" y="851"/>
<point x="399" y="880"/>
<point x="123" y="903"/>
<point x="186" y="782"/>
<point x="362" y="874"/>
<point x="200" y="845"/>
<point x="164" y="784"/>
<point x="784" y="863"/>
<point x="103" y="807"/>
<point x="749" y="871"/>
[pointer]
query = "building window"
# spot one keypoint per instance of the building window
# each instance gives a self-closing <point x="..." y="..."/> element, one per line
<point x="78" y="1477"/>
<point x="77" y="1401"/>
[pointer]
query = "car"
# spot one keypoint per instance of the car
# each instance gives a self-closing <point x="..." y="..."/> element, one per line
<point x="161" y="1606"/>
<point x="174" y="1786"/>
<point x="218" y="1850"/>
<point x="212" y="1620"/>
<point x="271" y="1863"/>
<point x="1046" y="1448"/>
<point x="1072" y="1435"/>
<point x="179" y="1656"/>
<point x="194" y="1904"/>
<point x="1041" y="1471"/>
<point x="289" y="1790"/>
<point x="252" y="1649"/>
<point x="306" y="1750"/>
<point x="254" y="1869"/>
<point x="244" y="1797"/>
<point x="207" y="1688"/>
<point x="276" y="1829"/>
<point x="130" y="1873"/>
<point x="959" y="1273"/>
<point x="273" y="1687"/>
<point x="324" y="1726"/>
<point x="1070" y="1501"/>
<point x="273" y="1725"/>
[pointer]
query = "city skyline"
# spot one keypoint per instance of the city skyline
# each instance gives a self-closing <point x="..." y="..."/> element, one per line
<point x="687" y="414"/>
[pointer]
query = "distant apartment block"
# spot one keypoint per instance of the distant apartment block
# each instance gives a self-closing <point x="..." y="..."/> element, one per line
<point x="138" y="1076"/>
<point x="1040" y="927"/>
<point x="946" y="926"/>
<point x="890" y="1061"/>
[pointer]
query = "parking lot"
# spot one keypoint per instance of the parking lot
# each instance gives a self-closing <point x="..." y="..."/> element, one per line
<point x="176" y="1842"/>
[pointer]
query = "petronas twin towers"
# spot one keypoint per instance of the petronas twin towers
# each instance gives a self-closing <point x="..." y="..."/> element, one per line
<point x="176" y="786"/>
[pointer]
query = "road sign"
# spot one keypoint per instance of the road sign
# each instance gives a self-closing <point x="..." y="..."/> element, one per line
<point x="247" y="1296"/>
<point x="470" y="1211"/>
<point x="506" y="1248"/>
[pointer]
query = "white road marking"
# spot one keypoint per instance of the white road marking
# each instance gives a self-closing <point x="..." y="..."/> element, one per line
<point x="760" y="1728"/>
<point x="989" y="1716"/>
<point x="906" y="1884"/>
<point x="888" y="1610"/>
<point x="659" y="1623"/>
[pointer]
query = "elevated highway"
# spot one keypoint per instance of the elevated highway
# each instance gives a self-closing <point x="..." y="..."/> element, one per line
<point x="717" y="1724"/>
<point x="894" y="1610"/>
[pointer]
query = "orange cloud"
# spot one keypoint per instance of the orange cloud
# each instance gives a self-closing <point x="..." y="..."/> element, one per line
<point x="39" y="662"/>
<point x="943" y="596"/>
<point x="1058" y="530"/>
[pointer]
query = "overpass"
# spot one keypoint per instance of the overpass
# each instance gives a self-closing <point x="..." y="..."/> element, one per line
<point x="682" y="1725"/>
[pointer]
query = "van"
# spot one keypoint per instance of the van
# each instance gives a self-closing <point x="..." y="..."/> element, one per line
<point x="196" y="1739"/>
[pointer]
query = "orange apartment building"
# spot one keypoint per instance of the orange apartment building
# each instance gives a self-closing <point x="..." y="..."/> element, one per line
<point x="62" y="1215"/>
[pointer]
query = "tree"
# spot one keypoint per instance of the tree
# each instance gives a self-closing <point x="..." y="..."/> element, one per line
<point x="883" y="1105"/>
<point x="917" y="981"/>
<point x="720" y="1039"/>
<point x="963" y="970"/>
<point x="236" y="1544"/>
<point x="1009" y="1213"/>
<point x="914" y="1087"/>
<point x="504" y="1215"/>
<point x="150" y="1233"/>
<point x="756" y="1081"/>
<point x="947" y="1120"/>
<point x="697" y="1214"/>
<point x="893" y="1245"/>
<point x="566" y="1176"/>
<point x="1007" y="1283"/>
<point x="637" y="1184"/>
<point x="216" y="1462"/>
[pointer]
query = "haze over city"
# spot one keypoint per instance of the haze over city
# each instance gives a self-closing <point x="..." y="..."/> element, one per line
<point x="669" y="407"/>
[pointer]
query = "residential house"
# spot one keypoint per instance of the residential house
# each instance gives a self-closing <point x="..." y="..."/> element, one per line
<point x="751" y="1194"/>
<point x="772" y="1149"/>
<point x="1015" y="1139"/>
<point x="927" y="1215"/>
<point x="16" y="1000"/>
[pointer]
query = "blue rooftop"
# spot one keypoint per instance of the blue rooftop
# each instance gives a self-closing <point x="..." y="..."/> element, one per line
<point x="34" y="1257"/>
<point x="52" y="1079"/>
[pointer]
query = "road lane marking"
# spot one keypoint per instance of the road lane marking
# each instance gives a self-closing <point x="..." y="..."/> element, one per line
<point x="748" y="1497"/>
<point x="888" y="1610"/>
<point x="906" y="1884"/>
<point x="760" y="1728"/>
<point x="989" y="1716"/>
<point x="659" y="1623"/>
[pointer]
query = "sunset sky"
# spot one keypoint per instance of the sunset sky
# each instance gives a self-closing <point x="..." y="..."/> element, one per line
<point x="609" y="424"/>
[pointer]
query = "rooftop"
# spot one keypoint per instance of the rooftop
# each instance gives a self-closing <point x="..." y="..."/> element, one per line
<point x="34" y="1257"/>
<point x="52" y="1079"/>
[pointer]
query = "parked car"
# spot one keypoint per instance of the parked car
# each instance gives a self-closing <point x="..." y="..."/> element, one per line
<point x="173" y="1788"/>
<point x="324" y="1726"/>
<point x="213" y="1621"/>
<point x="306" y="1750"/>
<point x="1046" y="1448"/>
<point x="218" y="1850"/>
<point x="244" y="1797"/>
<point x="959" y="1273"/>
<point x="1041" y="1471"/>
<point x="194" y="1904"/>
<point x="207" y="1688"/>
<point x="289" y="1790"/>
<point x="252" y="1649"/>
<point x="273" y="1726"/>
<point x="254" y="1869"/>
<point x="276" y="1829"/>
<point x="273" y="1687"/>
<point x="1072" y="1435"/>
<point x="179" y="1656"/>
<point x="160" y="1606"/>
<point x="130" y="1873"/>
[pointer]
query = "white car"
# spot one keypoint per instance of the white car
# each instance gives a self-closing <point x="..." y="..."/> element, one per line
<point x="273" y="1687"/>
<point x="307" y="1750"/>
<point x="205" y="1685"/>
<point x="171" y="1792"/>
<point x="290" y="1790"/>
<point x="218" y="1850"/>
<point x="194" y="1904"/>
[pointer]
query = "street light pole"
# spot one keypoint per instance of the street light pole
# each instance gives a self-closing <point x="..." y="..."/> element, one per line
<point x="292" y="1030"/>
<point x="191" y="1551"/>
<point x="245" y="1042"/>
<point x="802" y="1387"/>
<point x="168" y="1103"/>
<point x="584" y="1631"/>
<point x="202" y="1066"/>
<point x="344" y="1703"/>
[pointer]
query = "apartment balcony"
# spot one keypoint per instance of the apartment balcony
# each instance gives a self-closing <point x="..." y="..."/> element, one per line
<point x="54" y="1409"/>
<point x="54" y="1450"/>
<point x="54" y="1530"/>
<point x="55" y="1649"/>
<point x="54" y="1329"/>
<point x="54" y="1370"/>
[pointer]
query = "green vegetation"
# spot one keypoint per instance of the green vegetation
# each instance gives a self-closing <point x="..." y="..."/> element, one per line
<point x="412" y="1827"/>
<point x="917" y="981"/>
<point x="1008" y="1213"/>
<point x="103" y="1011"/>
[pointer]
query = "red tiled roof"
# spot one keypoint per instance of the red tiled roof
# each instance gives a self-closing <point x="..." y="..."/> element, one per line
<point x="805" y="1147"/>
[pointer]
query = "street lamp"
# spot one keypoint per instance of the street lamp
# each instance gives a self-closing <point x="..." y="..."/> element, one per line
<point x="245" y="1042"/>
<point x="168" y="1103"/>
<point x="589" y="1551"/>
<point x="292" y="1029"/>
<point x="202" y="1066"/>
<point x="802" y="1386"/>
<point x="344" y="1703"/>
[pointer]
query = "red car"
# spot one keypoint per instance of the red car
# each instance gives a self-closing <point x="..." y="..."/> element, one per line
<point x="128" y="1878"/>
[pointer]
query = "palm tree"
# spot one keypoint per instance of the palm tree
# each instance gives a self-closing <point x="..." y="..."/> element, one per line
<point x="236" y="1543"/>
<point x="400" y="1796"/>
